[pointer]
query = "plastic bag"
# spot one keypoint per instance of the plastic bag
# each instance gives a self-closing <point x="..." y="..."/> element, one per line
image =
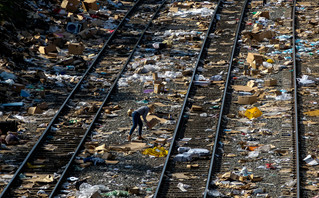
<point x="253" y="113"/>
<point x="86" y="190"/>
<point x="304" y="80"/>
<point x="199" y="151"/>
<point x="156" y="151"/>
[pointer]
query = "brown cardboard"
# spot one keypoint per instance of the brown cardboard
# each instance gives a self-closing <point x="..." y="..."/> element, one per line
<point x="76" y="48"/>
<point x="196" y="108"/>
<point x="17" y="87"/>
<point x="251" y="83"/>
<point x="91" y="4"/>
<point x="158" y="88"/>
<point x="247" y="99"/>
<point x="173" y="9"/>
<point x="34" y="110"/>
<point x="254" y="72"/>
<point x="160" y="141"/>
<point x="134" y="191"/>
<point x="262" y="14"/>
<point x="279" y="46"/>
<point x="153" y="122"/>
<point x="149" y="62"/>
<point x="273" y="41"/>
<point x="155" y="76"/>
<point x="47" y="49"/>
<point x="96" y="195"/>
<point x="43" y="105"/>
<point x="254" y="57"/>
<point x="255" y="64"/>
<point x="256" y="3"/>
<point x="258" y="26"/>
<point x="242" y="88"/>
<point x="260" y="35"/>
<point x="70" y="5"/>
<point x="270" y="82"/>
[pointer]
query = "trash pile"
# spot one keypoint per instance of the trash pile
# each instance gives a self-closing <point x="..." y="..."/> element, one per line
<point x="307" y="52"/>
<point x="158" y="74"/>
<point x="50" y="52"/>
<point x="258" y="134"/>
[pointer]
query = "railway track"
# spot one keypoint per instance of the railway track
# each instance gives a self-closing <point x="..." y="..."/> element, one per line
<point x="306" y="71"/>
<point x="217" y="149"/>
<point x="194" y="131"/>
<point x="58" y="145"/>
<point x="243" y="157"/>
<point x="126" y="97"/>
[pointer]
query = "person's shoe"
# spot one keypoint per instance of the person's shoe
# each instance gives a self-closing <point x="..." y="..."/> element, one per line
<point x="140" y="138"/>
<point x="129" y="138"/>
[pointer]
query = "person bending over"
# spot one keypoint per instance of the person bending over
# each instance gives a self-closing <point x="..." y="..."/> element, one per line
<point x="136" y="117"/>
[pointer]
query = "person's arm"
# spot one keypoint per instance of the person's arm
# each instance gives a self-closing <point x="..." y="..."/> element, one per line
<point x="145" y="114"/>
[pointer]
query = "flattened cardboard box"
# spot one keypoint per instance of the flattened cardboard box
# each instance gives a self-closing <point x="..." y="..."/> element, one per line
<point x="256" y="3"/>
<point x="270" y="82"/>
<point x="76" y="48"/>
<point x="247" y="99"/>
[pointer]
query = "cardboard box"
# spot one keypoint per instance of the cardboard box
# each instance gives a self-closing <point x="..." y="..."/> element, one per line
<point x="254" y="57"/>
<point x="134" y="191"/>
<point x="70" y="5"/>
<point x="259" y="35"/>
<point x="43" y="105"/>
<point x="17" y="87"/>
<point x="263" y="49"/>
<point x="76" y="48"/>
<point x="258" y="26"/>
<point x="155" y="76"/>
<point x="91" y="5"/>
<point x="256" y="3"/>
<point x="247" y="99"/>
<point x="153" y="122"/>
<point x="34" y="110"/>
<point x="149" y="62"/>
<point x="279" y="46"/>
<point x="262" y="14"/>
<point x="270" y="82"/>
<point x="47" y="49"/>
<point x="251" y="83"/>
<point x="158" y="88"/>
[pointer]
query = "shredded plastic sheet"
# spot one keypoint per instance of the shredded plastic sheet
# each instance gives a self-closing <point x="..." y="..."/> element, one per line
<point x="202" y="11"/>
<point x="156" y="151"/>
<point x="304" y="80"/>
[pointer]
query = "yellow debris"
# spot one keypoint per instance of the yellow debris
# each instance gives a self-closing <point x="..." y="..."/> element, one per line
<point x="270" y="61"/>
<point x="312" y="113"/>
<point x="253" y="113"/>
<point x="156" y="151"/>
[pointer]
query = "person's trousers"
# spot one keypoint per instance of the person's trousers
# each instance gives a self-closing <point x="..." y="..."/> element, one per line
<point x="136" y="117"/>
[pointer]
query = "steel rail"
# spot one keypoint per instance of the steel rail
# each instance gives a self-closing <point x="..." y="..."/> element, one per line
<point x="296" y="118"/>
<point x="64" y="174"/>
<point x="219" y="127"/>
<point x="186" y="99"/>
<point x="5" y="191"/>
